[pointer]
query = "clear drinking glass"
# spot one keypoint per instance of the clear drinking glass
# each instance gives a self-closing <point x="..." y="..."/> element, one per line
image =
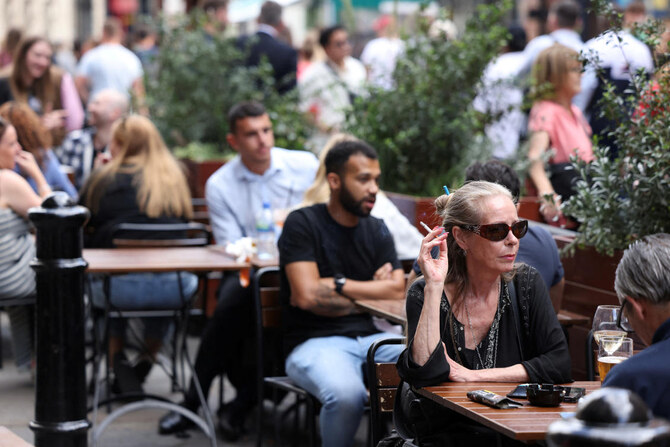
<point x="612" y="351"/>
<point x="604" y="323"/>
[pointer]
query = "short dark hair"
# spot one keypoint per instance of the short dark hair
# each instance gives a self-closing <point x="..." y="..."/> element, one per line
<point x="339" y="154"/>
<point x="213" y="5"/>
<point x="243" y="110"/>
<point x="270" y="13"/>
<point x="324" y="37"/>
<point x="516" y="40"/>
<point x="495" y="171"/>
<point x="567" y="12"/>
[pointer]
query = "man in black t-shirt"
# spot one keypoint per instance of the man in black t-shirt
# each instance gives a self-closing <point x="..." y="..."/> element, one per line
<point x="330" y="256"/>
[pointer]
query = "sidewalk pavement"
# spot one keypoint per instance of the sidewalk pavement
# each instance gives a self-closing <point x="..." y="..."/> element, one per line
<point x="136" y="429"/>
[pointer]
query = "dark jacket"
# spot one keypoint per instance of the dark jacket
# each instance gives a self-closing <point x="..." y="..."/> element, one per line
<point x="283" y="58"/>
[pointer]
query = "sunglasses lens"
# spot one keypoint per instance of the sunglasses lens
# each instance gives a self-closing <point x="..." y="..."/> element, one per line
<point x="520" y="228"/>
<point x="494" y="232"/>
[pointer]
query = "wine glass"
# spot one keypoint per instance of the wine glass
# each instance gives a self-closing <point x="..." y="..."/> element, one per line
<point x="604" y="323"/>
<point x="612" y="350"/>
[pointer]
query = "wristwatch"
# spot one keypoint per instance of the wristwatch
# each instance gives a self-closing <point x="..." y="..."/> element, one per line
<point x="339" y="280"/>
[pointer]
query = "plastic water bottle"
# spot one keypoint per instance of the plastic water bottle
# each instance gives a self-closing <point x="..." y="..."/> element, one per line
<point x="265" y="233"/>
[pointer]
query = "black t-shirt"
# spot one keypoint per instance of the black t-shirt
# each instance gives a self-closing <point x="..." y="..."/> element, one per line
<point x="311" y="234"/>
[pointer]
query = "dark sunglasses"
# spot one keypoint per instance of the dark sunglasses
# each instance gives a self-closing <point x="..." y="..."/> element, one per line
<point x="621" y="321"/>
<point x="498" y="231"/>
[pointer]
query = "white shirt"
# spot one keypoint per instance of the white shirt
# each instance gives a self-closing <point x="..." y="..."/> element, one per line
<point x="501" y="95"/>
<point x="380" y="56"/>
<point x="324" y="90"/>
<point x="618" y="55"/>
<point x="406" y="237"/>
<point x="112" y="66"/>
<point x="235" y="195"/>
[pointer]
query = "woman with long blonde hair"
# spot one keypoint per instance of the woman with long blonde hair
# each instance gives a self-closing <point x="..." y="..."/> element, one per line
<point x="556" y="124"/>
<point x="142" y="183"/>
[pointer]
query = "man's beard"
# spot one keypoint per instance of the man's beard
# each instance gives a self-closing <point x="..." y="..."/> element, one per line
<point x="353" y="206"/>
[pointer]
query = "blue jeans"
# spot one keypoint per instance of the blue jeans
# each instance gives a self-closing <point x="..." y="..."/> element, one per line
<point x="138" y="291"/>
<point x="331" y="368"/>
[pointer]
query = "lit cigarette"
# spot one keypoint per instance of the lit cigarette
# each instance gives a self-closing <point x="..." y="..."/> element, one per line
<point x="425" y="226"/>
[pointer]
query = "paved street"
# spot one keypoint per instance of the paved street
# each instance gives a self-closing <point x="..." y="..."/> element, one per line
<point x="137" y="429"/>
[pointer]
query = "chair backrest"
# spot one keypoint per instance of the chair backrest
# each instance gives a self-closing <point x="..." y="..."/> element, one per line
<point x="270" y="348"/>
<point x="383" y="380"/>
<point x="187" y="234"/>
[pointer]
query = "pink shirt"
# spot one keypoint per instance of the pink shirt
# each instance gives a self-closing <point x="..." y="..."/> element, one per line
<point x="568" y="132"/>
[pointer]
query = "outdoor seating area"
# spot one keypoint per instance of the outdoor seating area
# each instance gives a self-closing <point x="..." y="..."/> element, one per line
<point x="334" y="224"/>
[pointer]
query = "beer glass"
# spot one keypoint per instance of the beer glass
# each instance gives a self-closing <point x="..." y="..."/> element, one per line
<point x="612" y="350"/>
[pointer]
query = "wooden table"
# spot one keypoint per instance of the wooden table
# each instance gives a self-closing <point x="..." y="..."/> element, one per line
<point x="392" y="310"/>
<point x="168" y="259"/>
<point x="524" y="424"/>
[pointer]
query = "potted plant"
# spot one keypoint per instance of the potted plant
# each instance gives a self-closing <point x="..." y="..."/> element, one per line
<point x="425" y="129"/>
<point x="195" y="79"/>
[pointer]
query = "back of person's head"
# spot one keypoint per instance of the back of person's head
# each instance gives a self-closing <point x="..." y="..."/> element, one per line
<point x="319" y="192"/>
<point x="31" y="133"/>
<point x="326" y="33"/>
<point x="112" y="29"/>
<point x="338" y="156"/>
<point x="495" y="171"/>
<point x="212" y="5"/>
<point x="462" y="207"/>
<point x="243" y="110"/>
<point x="270" y="13"/>
<point x="161" y="184"/>
<point x="567" y="13"/>
<point x="142" y="31"/>
<point x="12" y="39"/>
<point x="115" y="103"/>
<point x="551" y="69"/>
<point x="643" y="270"/>
<point x="516" y="41"/>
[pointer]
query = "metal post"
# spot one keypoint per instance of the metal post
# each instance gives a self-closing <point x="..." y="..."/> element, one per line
<point x="60" y="387"/>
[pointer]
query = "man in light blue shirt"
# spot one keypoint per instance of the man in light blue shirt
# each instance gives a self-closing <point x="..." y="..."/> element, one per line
<point x="235" y="195"/>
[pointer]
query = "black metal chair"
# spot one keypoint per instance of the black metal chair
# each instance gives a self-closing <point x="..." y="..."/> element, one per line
<point x="133" y="235"/>
<point x="383" y="382"/>
<point x="270" y="359"/>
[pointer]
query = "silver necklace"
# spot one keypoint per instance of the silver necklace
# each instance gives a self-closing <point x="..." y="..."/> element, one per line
<point x="472" y="332"/>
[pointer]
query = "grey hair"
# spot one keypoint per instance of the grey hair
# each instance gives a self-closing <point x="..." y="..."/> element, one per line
<point x="464" y="207"/>
<point x="643" y="270"/>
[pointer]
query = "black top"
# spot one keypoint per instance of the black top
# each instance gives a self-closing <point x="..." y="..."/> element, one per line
<point x="545" y="351"/>
<point x="118" y="204"/>
<point x="283" y="58"/>
<point x="311" y="234"/>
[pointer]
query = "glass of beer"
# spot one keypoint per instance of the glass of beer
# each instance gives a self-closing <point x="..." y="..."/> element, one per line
<point x="612" y="350"/>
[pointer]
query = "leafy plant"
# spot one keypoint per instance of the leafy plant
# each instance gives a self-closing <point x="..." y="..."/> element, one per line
<point x="619" y="201"/>
<point x="198" y="78"/>
<point x="426" y="130"/>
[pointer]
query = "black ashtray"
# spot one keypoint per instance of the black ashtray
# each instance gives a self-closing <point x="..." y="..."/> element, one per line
<point x="545" y="395"/>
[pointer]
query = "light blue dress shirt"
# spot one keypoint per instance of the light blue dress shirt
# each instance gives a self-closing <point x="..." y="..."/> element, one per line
<point x="235" y="195"/>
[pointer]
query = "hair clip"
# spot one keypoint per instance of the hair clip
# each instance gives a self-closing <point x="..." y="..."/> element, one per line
<point x="446" y="190"/>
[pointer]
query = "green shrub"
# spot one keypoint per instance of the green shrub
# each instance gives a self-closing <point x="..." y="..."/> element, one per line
<point x="198" y="78"/>
<point x="426" y="130"/>
<point x="619" y="201"/>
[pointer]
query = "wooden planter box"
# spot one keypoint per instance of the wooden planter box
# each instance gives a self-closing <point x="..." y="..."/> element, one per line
<point x="416" y="209"/>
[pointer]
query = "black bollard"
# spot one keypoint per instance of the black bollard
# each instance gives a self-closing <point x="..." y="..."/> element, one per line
<point x="60" y="385"/>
